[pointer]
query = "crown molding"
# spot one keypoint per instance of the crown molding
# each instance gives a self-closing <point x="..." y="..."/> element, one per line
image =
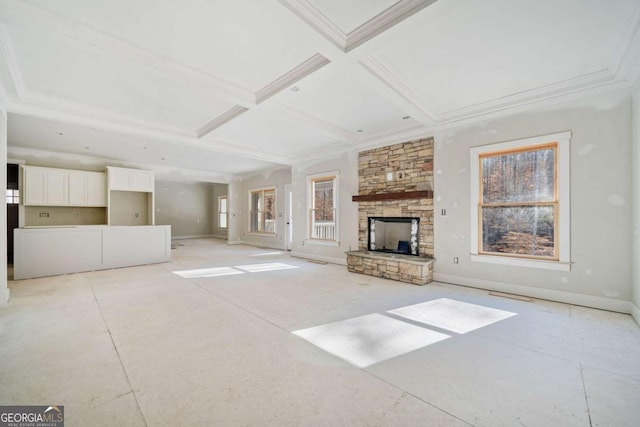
<point x="551" y="91"/>
<point x="44" y="20"/>
<point x="391" y="16"/>
<point x="626" y="62"/>
<point x="37" y="106"/>
<point x="539" y="93"/>
<point x="318" y="21"/>
<point x="412" y="102"/>
<point x="336" y="132"/>
<point x="383" y="21"/>
<point x="107" y="122"/>
<point x="309" y="66"/>
<point x="223" y="118"/>
<point x="62" y="159"/>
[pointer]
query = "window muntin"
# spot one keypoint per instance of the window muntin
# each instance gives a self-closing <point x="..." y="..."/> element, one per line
<point x="322" y="212"/>
<point x="262" y="217"/>
<point x="12" y="197"/>
<point x="223" y="213"/>
<point x="518" y="203"/>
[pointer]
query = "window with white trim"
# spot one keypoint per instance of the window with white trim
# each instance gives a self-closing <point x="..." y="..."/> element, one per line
<point x="323" y="207"/>
<point x="262" y="210"/>
<point x="520" y="202"/>
<point x="222" y="212"/>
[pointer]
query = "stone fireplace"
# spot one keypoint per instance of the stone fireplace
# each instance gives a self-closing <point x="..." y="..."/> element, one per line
<point x="395" y="187"/>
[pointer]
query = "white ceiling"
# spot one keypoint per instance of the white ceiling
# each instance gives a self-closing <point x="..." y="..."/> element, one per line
<point x="207" y="85"/>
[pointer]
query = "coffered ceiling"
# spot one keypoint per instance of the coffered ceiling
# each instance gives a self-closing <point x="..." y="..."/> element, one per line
<point x="232" y="87"/>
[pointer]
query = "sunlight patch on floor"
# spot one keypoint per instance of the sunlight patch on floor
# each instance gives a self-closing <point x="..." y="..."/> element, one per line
<point x="269" y="266"/>
<point x="456" y="316"/>
<point x="208" y="272"/>
<point x="366" y="340"/>
<point x="267" y="253"/>
<point x="229" y="271"/>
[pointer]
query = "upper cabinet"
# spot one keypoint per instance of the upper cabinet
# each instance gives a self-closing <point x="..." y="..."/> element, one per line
<point x="87" y="189"/>
<point x="123" y="179"/>
<point x="63" y="187"/>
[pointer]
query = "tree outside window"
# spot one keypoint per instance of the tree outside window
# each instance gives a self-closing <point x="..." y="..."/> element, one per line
<point x="519" y="202"/>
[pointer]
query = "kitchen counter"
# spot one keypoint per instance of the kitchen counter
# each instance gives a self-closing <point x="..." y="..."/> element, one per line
<point x="51" y="250"/>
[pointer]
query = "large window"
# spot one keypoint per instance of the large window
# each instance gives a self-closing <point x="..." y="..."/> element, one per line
<point x="520" y="201"/>
<point x="323" y="207"/>
<point x="222" y="212"/>
<point x="262" y="215"/>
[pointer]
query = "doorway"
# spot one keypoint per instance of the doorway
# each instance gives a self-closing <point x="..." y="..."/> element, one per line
<point x="12" y="195"/>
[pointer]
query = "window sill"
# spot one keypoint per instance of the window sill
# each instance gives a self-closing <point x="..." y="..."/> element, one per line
<point x="521" y="262"/>
<point x="317" y="242"/>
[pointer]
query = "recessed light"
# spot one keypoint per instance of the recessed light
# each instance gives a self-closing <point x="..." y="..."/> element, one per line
<point x="294" y="88"/>
<point x="359" y="130"/>
<point x="161" y="158"/>
<point x="144" y="148"/>
<point x="86" y="148"/>
<point x="59" y="133"/>
<point x="406" y="117"/>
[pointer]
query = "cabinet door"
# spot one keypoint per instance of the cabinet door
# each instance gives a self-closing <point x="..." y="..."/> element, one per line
<point x="142" y="181"/>
<point x="57" y="187"/>
<point x="119" y="179"/>
<point x="77" y="189"/>
<point x="96" y="189"/>
<point x="35" y="186"/>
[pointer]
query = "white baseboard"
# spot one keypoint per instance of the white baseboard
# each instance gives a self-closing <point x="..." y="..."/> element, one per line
<point x="235" y="242"/>
<point x="602" y="303"/>
<point x="635" y="313"/>
<point x="332" y="260"/>
<point x="192" y="236"/>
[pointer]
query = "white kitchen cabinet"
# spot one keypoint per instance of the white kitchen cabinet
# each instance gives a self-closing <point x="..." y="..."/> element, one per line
<point x="124" y="179"/>
<point x="49" y="251"/>
<point x="64" y="187"/>
<point x="87" y="189"/>
<point x="45" y="186"/>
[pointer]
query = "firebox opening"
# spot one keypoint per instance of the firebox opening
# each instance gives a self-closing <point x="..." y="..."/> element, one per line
<point x="394" y="235"/>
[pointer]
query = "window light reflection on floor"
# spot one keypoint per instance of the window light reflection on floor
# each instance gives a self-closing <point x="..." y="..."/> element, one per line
<point x="269" y="266"/>
<point x="208" y="272"/>
<point x="373" y="338"/>
<point x="267" y="253"/>
<point x="451" y="315"/>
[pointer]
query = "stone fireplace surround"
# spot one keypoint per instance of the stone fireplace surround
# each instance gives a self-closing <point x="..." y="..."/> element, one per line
<point x="408" y="194"/>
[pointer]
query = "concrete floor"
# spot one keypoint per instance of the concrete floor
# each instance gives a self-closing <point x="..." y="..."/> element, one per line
<point x="236" y="335"/>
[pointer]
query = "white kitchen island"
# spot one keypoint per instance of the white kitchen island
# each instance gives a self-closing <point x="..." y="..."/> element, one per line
<point x="49" y="251"/>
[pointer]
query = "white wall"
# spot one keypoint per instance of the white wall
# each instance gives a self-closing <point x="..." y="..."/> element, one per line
<point x="347" y="165"/>
<point x="186" y="206"/>
<point x="276" y="178"/>
<point x="4" y="290"/>
<point x="635" y="309"/>
<point x="600" y="203"/>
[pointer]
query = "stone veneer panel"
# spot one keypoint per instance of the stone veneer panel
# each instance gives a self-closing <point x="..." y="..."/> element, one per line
<point x="414" y="161"/>
<point x="411" y="164"/>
